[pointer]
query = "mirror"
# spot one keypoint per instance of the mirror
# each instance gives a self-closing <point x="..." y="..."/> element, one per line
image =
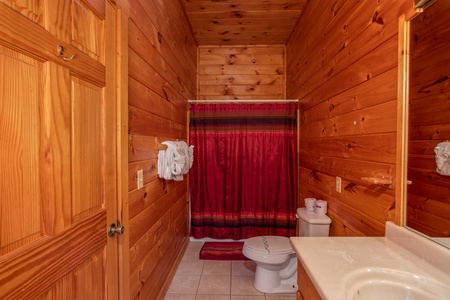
<point x="426" y="121"/>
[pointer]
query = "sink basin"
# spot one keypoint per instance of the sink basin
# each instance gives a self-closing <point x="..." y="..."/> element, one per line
<point x="391" y="284"/>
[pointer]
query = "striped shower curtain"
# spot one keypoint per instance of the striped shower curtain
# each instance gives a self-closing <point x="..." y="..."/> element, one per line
<point x="244" y="179"/>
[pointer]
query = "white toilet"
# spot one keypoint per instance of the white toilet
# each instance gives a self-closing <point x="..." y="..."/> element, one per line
<point x="276" y="262"/>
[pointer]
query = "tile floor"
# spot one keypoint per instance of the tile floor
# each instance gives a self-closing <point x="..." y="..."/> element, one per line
<point x="198" y="279"/>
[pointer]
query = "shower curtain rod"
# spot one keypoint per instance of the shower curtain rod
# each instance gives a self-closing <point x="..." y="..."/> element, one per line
<point x="243" y="101"/>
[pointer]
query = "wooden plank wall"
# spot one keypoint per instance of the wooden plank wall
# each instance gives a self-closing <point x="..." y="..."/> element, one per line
<point x="342" y="64"/>
<point x="428" y="208"/>
<point x="162" y="76"/>
<point x="241" y="72"/>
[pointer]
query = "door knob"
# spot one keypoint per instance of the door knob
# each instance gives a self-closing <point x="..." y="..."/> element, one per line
<point x="113" y="229"/>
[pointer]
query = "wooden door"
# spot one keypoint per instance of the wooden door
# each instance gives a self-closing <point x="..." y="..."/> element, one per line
<point x="58" y="139"/>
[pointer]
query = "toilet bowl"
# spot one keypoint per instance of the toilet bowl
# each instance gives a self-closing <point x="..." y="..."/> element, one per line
<point x="276" y="262"/>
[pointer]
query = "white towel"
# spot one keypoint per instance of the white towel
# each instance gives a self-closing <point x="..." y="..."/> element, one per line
<point x="175" y="161"/>
<point x="161" y="163"/>
<point x="442" y="151"/>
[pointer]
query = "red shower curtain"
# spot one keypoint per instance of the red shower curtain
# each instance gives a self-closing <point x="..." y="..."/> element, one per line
<point x="243" y="182"/>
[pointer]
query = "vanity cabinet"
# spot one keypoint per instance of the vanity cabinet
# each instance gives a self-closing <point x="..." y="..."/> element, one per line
<point x="306" y="289"/>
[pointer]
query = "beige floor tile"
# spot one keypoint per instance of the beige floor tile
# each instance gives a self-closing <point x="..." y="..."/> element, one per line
<point x="179" y="297"/>
<point x="193" y="251"/>
<point x="184" y="284"/>
<point x="248" y="298"/>
<point x="213" y="297"/>
<point x="243" y="268"/>
<point x="195" y="245"/>
<point x="214" y="285"/>
<point x="190" y="267"/>
<point x="243" y="286"/>
<point x="217" y="267"/>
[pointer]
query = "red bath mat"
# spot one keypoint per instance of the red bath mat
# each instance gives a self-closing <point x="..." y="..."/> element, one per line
<point x="222" y="251"/>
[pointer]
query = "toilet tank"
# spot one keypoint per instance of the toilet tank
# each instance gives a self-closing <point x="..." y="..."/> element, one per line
<point x="312" y="224"/>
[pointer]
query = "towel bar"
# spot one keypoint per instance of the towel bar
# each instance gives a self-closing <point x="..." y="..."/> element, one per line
<point x="385" y="181"/>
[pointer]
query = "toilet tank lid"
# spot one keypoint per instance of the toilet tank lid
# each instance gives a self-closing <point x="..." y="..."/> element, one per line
<point x="312" y="217"/>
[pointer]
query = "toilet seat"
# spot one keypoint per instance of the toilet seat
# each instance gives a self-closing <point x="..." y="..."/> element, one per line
<point x="269" y="244"/>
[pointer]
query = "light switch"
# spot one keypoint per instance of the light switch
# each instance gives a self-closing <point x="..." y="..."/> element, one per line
<point x="140" y="179"/>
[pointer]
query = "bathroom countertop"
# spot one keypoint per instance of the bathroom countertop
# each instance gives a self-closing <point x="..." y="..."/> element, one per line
<point x="328" y="260"/>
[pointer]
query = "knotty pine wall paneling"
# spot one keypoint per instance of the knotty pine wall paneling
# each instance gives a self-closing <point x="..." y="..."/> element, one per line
<point x="428" y="195"/>
<point x="250" y="22"/>
<point x="342" y="65"/>
<point x="241" y="72"/>
<point x="162" y="77"/>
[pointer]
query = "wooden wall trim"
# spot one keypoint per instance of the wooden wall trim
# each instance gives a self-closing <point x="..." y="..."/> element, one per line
<point x="401" y="125"/>
<point x="122" y="147"/>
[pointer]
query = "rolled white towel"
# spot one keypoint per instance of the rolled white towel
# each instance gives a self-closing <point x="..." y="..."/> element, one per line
<point x="162" y="163"/>
<point x="175" y="161"/>
<point x="442" y="151"/>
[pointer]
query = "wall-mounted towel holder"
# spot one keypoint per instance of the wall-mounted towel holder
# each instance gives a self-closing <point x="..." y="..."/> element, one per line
<point x="161" y="147"/>
<point x="385" y="181"/>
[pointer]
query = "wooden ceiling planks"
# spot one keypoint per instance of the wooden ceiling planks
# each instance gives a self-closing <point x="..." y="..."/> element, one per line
<point x="243" y="22"/>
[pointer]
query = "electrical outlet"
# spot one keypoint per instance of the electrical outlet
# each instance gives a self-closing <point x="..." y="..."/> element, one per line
<point x="140" y="178"/>
<point x="338" y="184"/>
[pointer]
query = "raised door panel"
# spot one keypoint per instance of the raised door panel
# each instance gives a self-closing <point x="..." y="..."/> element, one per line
<point x="19" y="153"/>
<point x="55" y="148"/>
<point x="88" y="30"/>
<point x="31" y="9"/>
<point x="80" y="283"/>
<point x="88" y="276"/>
<point x="87" y="148"/>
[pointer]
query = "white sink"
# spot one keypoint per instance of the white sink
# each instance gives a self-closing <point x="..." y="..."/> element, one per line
<point x="401" y="265"/>
<point x="392" y="284"/>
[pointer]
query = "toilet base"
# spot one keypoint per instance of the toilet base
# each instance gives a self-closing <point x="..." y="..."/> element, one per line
<point x="268" y="281"/>
<point x="283" y="288"/>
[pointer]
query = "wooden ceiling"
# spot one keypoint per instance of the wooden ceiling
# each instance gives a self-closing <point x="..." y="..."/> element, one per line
<point x="243" y="22"/>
